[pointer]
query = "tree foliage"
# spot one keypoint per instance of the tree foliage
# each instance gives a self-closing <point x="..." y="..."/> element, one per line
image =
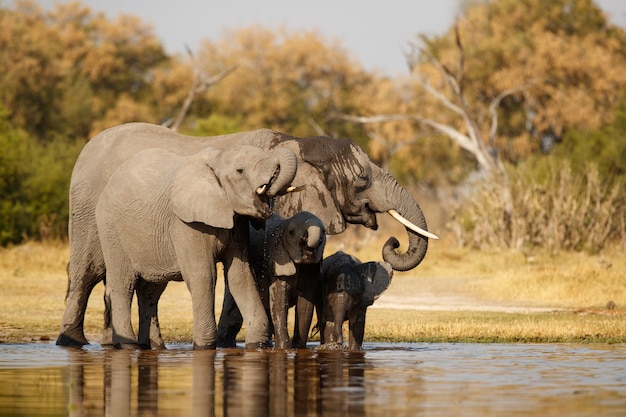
<point x="513" y="79"/>
<point x="64" y="69"/>
<point x="565" y="51"/>
<point x="288" y="81"/>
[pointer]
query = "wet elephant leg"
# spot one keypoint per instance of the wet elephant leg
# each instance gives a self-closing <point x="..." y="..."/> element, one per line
<point x="303" y="319"/>
<point x="246" y="296"/>
<point x="230" y="321"/>
<point x="309" y="291"/>
<point x="80" y="285"/>
<point x="279" y="308"/>
<point x="357" y="328"/>
<point x="148" y="295"/>
<point x="120" y="290"/>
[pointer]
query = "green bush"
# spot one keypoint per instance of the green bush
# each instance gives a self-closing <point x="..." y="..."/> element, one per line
<point x="34" y="183"/>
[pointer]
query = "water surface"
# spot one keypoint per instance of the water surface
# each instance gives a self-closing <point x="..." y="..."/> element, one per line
<point x="384" y="379"/>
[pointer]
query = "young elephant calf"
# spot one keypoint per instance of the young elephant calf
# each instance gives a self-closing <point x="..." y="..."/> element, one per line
<point x="286" y="258"/>
<point x="350" y="286"/>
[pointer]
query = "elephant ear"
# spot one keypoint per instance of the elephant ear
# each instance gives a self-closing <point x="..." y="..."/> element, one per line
<point x="196" y="194"/>
<point x="376" y="277"/>
<point x="314" y="197"/>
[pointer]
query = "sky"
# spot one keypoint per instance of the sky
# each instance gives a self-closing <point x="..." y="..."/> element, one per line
<point x="376" y="32"/>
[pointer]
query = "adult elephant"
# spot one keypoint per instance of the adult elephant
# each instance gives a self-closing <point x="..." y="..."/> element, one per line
<point x="342" y="186"/>
<point x="165" y="217"/>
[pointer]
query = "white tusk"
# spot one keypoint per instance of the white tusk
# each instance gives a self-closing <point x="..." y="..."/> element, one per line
<point x="261" y="189"/>
<point x="294" y="189"/>
<point x="411" y="226"/>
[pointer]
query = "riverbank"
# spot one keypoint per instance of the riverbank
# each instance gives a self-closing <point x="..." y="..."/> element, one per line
<point x="454" y="296"/>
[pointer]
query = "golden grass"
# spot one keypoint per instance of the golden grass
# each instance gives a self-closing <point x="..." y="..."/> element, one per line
<point x="33" y="283"/>
<point x="478" y="326"/>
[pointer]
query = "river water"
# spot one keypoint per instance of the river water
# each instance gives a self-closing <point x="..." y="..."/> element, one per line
<point x="386" y="379"/>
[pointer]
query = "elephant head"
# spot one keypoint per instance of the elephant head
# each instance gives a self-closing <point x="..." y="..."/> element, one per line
<point x="300" y="239"/>
<point x="236" y="180"/>
<point x="344" y="186"/>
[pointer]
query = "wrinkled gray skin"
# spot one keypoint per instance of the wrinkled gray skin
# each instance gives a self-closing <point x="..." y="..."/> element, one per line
<point x="350" y="286"/>
<point x="342" y="186"/>
<point x="286" y="258"/>
<point x="165" y="217"/>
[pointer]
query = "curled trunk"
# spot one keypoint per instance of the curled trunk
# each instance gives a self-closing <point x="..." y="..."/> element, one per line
<point x="314" y="236"/>
<point x="286" y="164"/>
<point x="397" y="198"/>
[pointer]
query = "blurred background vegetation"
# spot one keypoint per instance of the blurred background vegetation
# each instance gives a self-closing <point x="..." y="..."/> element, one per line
<point x="511" y="124"/>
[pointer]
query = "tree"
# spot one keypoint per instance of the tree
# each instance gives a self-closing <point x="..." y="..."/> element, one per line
<point x="65" y="68"/>
<point x="285" y="81"/>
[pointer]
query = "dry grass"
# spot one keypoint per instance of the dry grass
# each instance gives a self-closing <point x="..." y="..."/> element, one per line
<point x="33" y="283"/>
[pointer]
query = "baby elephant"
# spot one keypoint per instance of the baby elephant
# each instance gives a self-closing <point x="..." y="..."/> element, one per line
<point x="350" y="286"/>
<point x="286" y="258"/>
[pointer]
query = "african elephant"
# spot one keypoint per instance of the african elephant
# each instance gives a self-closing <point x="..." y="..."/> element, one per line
<point x="350" y="286"/>
<point x="163" y="216"/>
<point x="342" y="186"/>
<point x="286" y="257"/>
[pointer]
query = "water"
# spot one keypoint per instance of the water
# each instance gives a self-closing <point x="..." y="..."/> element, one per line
<point x="384" y="379"/>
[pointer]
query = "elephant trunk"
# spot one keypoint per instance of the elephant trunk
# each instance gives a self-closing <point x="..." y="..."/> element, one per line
<point x="405" y="209"/>
<point x="314" y="236"/>
<point x="285" y="165"/>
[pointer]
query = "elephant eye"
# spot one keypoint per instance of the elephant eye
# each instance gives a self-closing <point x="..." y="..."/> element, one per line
<point x="362" y="182"/>
<point x="239" y="170"/>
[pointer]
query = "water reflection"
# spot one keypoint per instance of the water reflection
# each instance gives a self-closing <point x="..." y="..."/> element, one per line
<point x="229" y="382"/>
<point x="385" y="379"/>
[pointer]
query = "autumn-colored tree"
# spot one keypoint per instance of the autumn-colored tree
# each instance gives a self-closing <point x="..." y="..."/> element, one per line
<point x="563" y="56"/>
<point x="289" y="81"/>
<point x="66" y="68"/>
<point x="64" y="74"/>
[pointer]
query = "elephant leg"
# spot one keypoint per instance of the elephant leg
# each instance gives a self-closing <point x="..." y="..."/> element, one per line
<point x="303" y="319"/>
<point x="201" y="285"/>
<point x="336" y="311"/>
<point x="230" y="322"/>
<point x="119" y="290"/>
<point x="81" y="283"/>
<point x="357" y="328"/>
<point x="309" y="293"/>
<point x="148" y="294"/>
<point x="246" y="296"/>
<point x="279" y="308"/>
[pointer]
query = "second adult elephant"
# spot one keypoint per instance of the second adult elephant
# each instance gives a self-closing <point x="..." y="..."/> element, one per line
<point x="163" y="216"/>
<point x="342" y="186"/>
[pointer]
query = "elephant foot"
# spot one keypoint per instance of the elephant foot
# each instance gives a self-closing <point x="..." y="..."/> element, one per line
<point x="157" y="345"/>
<point x="332" y="346"/>
<point x="107" y="337"/>
<point x="256" y="346"/>
<point x="127" y="346"/>
<point x="65" y="339"/>
<point x="226" y="342"/>
<point x="197" y="346"/>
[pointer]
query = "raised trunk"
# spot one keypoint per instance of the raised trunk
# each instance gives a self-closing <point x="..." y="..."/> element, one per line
<point x="286" y="165"/>
<point x="314" y="236"/>
<point x="397" y="198"/>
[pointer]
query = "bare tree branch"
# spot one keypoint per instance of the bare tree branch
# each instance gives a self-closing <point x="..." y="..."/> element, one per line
<point x="462" y="140"/>
<point x="438" y="95"/>
<point x="493" y="109"/>
<point x="198" y="86"/>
